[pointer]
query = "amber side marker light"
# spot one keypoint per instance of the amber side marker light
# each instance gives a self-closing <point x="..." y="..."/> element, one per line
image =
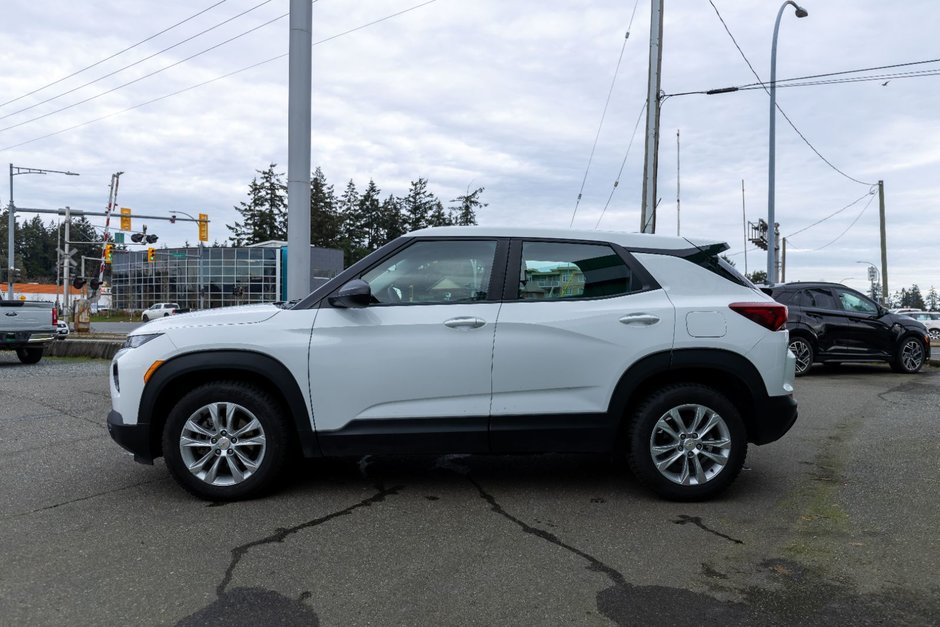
<point x="153" y="368"/>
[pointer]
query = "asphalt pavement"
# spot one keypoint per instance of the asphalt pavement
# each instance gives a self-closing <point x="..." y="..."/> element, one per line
<point x="835" y="524"/>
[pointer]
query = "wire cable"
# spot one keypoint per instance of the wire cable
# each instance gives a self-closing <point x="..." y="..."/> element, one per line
<point x="610" y="92"/>
<point x="116" y="54"/>
<point x="833" y="214"/>
<point x="147" y="58"/>
<point x="218" y="78"/>
<point x="782" y="112"/>
<point x="622" y="164"/>
<point x="857" y="218"/>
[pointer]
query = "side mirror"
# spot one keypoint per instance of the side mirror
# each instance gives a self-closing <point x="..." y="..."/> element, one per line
<point x="354" y="294"/>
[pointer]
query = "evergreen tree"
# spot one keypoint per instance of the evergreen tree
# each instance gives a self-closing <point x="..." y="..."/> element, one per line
<point x="932" y="300"/>
<point x="350" y="234"/>
<point x="438" y="217"/>
<point x="418" y="205"/>
<point x="758" y="277"/>
<point x="464" y="213"/>
<point x="917" y="300"/>
<point x="368" y="214"/>
<point x="391" y="222"/>
<point x="324" y="219"/>
<point x="264" y="216"/>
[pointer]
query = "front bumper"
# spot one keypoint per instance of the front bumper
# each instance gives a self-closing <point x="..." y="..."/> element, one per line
<point x="134" y="438"/>
<point x="774" y="417"/>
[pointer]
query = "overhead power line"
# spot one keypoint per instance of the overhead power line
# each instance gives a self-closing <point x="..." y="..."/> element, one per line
<point x="146" y="76"/>
<point x="116" y="54"/>
<point x="147" y="58"/>
<point x="849" y="227"/>
<point x="604" y="114"/>
<point x="834" y="213"/>
<point x="779" y="108"/>
<point x="622" y="164"/>
<point x="218" y="78"/>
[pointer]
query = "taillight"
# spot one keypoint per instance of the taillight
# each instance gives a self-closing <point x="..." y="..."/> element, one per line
<point x="55" y="317"/>
<point x="769" y="315"/>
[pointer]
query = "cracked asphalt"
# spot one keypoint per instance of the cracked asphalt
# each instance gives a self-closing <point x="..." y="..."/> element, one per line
<point x="835" y="524"/>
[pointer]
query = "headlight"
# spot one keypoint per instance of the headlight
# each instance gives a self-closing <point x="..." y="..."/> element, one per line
<point x="135" y="341"/>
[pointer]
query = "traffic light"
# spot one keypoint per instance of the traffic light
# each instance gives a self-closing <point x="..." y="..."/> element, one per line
<point x="151" y="239"/>
<point x="137" y="237"/>
<point x="172" y="218"/>
<point x="107" y="252"/>
<point x="151" y="254"/>
<point x="78" y="282"/>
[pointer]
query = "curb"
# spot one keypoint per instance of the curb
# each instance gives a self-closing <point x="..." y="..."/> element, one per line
<point x="99" y="349"/>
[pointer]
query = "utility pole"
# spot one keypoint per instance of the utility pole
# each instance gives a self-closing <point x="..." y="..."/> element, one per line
<point x="744" y="222"/>
<point x="677" y="183"/>
<point x="298" y="149"/>
<point x="651" y="161"/>
<point x="884" y="243"/>
<point x="65" y="264"/>
<point x="783" y="270"/>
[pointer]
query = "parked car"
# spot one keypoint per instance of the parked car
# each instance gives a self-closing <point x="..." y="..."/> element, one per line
<point x="159" y="310"/>
<point x="931" y="320"/>
<point x="472" y="340"/>
<point x="62" y="330"/>
<point x="830" y="323"/>
<point x="27" y="327"/>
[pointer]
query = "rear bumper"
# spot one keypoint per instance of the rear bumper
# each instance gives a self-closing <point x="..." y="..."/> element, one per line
<point x="10" y="340"/>
<point x="775" y="416"/>
<point x="134" y="438"/>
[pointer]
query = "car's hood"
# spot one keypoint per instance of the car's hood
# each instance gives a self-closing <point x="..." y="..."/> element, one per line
<point x="243" y="314"/>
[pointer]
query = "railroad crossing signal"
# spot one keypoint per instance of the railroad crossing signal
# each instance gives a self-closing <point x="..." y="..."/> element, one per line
<point x="125" y="219"/>
<point x="203" y="227"/>
<point x="151" y="254"/>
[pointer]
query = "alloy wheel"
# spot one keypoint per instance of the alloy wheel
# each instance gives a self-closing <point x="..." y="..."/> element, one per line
<point x="222" y="444"/>
<point x="804" y="354"/>
<point x="690" y="444"/>
<point x="912" y="355"/>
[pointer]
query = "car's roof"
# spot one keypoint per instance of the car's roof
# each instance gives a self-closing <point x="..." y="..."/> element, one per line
<point x="627" y="240"/>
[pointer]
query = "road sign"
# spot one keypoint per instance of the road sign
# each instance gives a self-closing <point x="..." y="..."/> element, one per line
<point x="118" y="238"/>
<point x="125" y="219"/>
<point x="203" y="227"/>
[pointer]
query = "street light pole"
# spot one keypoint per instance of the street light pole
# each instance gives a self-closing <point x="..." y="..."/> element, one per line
<point x="11" y="220"/>
<point x="771" y="235"/>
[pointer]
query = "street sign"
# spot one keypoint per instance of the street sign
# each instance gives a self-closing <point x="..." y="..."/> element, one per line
<point x="203" y="227"/>
<point x="118" y="238"/>
<point x="125" y="219"/>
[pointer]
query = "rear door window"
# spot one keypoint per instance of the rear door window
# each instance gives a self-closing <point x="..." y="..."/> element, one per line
<point x="567" y="270"/>
<point x="818" y="298"/>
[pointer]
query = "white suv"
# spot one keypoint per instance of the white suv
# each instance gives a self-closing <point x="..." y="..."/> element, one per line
<point x="472" y="340"/>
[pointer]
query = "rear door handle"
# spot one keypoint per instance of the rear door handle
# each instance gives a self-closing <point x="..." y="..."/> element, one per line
<point x="467" y="322"/>
<point x="639" y="319"/>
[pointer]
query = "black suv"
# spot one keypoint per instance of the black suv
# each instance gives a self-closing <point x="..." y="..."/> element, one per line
<point x="830" y="323"/>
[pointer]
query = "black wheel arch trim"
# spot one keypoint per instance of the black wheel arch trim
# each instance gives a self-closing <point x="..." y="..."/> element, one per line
<point x="750" y="397"/>
<point x="259" y="365"/>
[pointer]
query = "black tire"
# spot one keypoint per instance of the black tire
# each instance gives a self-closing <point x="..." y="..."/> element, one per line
<point x="910" y="356"/>
<point x="225" y="452"/>
<point x="803" y="349"/>
<point x="29" y="355"/>
<point x="645" y="437"/>
<point x="145" y="318"/>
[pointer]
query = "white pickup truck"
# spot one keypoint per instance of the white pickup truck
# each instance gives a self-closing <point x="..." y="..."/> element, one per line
<point x="27" y="328"/>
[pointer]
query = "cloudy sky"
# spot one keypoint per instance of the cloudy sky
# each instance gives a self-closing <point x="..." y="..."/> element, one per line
<point x="507" y="95"/>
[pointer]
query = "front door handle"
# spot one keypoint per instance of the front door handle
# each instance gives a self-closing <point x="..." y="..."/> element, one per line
<point x="639" y="319"/>
<point x="467" y="322"/>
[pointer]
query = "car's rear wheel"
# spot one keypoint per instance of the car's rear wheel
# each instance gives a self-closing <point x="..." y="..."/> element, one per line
<point x="226" y="441"/>
<point x="29" y="355"/>
<point x="145" y="318"/>
<point x="803" y="351"/>
<point x="687" y="442"/>
<point x="935" y="334"/>
<point x="910" y="356"/>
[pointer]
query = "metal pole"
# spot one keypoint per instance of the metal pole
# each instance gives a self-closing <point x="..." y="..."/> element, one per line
<point x="11" y="226"/>
<point x="744" y="224"/>
<point x="651" y="161"/>
<point x="65" y="267"/>
<point x="783" y="266"/>
<point x="771" y="165"/>
<point x="884" y="244"/>
<point x="678" y="181"/>
<point x="298" y="149"/>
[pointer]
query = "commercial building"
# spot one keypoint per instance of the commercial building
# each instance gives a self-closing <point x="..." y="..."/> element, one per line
<point x="203" y="277"/>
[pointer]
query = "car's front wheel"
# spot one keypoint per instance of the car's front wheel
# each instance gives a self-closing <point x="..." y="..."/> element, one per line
<point x="687" y="442"/>
<point x="29" y="355"/>
<point x="910" y="356"/>
<point x="803" y="351"/>
<point x="935" y="335"/>
<point x="226" y="441"/>
<point x="145" y="318"/>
